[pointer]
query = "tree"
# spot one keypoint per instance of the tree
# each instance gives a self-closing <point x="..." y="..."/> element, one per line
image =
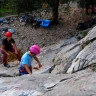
<point x="29" y="5"/>
<point x="24" y="5"/>
<point x="54" y="4"/>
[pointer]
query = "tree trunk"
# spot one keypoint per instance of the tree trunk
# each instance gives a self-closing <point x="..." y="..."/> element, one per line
<point x="55" y="12"/>
<point x="87" y="11"/>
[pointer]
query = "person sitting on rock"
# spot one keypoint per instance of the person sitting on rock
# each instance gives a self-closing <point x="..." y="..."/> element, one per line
<point x="26" y="60"/>
<point x="8" y="45"/>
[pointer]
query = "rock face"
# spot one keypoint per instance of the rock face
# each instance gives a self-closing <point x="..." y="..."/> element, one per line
<point x="87" y="55"/>
<point x="67" y="56"/>
<point x="80" y="84"/>
<point x="76" y="56"/>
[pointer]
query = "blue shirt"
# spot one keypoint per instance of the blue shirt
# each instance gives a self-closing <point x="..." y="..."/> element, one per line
<point x="26" y="59"/>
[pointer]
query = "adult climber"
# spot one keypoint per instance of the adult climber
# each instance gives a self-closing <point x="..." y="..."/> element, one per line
<point x="8" y="45"/>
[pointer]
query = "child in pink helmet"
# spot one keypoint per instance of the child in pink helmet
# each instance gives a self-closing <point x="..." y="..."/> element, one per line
<point x="26" y="60"/>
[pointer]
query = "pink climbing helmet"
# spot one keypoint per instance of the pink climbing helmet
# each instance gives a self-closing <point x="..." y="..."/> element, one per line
<point x="35" y="49"/>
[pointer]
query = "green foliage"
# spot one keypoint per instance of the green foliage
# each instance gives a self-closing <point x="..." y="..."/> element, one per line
<point x="28" y="5"/>
<point x="8" y="7"/>
<point x="76" y="59"/>
<point x="53" y="60"/>
<point x="5" y="10"/>
<point x="93" y="67"/>
<point x="82" y="34"/>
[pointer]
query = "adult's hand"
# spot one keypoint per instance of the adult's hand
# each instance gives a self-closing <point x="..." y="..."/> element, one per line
<point x="16" y="52"/>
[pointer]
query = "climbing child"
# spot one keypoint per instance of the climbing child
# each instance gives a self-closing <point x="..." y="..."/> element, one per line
<point x="26" y="60"/>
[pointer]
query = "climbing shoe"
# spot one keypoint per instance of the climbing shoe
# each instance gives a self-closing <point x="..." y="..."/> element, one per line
<point x="6" y="65"/>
